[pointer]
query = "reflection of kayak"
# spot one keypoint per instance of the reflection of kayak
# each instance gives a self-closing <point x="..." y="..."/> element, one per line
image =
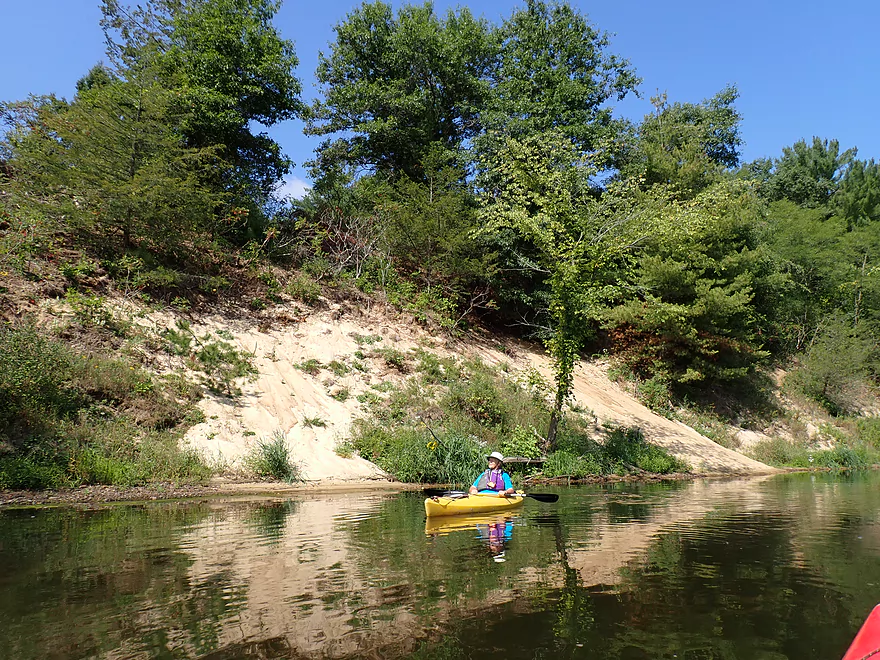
<point x="479" y="503"/>
<point x="446" y="524"/>
<point x="867" y="641"/>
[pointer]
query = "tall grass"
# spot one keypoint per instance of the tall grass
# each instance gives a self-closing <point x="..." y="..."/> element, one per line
<point x="271" y="457"/>
<point x="68" y="419"/>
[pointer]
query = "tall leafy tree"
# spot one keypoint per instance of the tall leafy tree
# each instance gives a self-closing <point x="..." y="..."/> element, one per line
<point x="395" y="84"/>
<point x="687" y="145"/>
<point x="858" y="197"/>
<point x="544" y="196"/>
<point x="553" y="72"/>
<point x="808" y="174"/>
<point x="229" y="71"/>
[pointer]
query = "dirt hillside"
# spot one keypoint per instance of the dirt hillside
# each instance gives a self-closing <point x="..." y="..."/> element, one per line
<point x="288" y="400"/>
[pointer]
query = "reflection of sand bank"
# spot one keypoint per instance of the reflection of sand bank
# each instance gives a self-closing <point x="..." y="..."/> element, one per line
<point x="310" y="560"/>
<point x="306" y="586"/>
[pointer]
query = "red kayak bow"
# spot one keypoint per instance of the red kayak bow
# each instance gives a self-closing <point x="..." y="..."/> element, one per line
<point x="867" y="641"/>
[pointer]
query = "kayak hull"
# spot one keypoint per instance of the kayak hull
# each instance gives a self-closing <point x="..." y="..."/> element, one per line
<point x="867" y="641"/>
<point x="480" y="503"/>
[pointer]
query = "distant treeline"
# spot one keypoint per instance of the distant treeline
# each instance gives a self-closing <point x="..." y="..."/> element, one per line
<point x="469" y="170"/>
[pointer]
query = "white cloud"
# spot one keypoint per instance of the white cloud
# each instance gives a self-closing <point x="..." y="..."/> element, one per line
<point x="292" y="188"/>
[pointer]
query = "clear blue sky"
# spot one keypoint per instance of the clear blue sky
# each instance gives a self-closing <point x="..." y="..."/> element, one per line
<point x="803" y="67"/>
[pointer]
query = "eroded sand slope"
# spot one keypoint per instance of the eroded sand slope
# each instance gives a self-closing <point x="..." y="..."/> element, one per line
<point x="285" y="399"/>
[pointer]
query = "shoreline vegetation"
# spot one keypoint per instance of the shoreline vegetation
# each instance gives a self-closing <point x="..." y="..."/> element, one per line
<point x="740" y="299"/>
<point x="97" y="495"/>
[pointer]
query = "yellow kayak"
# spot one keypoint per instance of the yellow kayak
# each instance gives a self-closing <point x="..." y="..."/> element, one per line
<point x="479" y="503"/>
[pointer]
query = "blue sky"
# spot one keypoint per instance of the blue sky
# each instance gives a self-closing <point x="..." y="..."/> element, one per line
<point x="802" y="67"/>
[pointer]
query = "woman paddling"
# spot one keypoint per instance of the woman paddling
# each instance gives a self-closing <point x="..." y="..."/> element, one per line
<point x="495" y="479"/>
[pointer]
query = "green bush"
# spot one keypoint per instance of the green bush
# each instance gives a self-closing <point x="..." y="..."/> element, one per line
<point x="415" y="456"/>
<point x="271" y="458"/>
<point x="565" y="463"/>
<point x="780" y="452"/>
<point x="521" y="442"/>
<point x="222" y="363"/>
<point x="868" y="429"/>
<point x="36" y="383"/>
<point x="628" y="447"/>
<point x="624" y="449"/>
<point x="68" y="419"/>
<point x="304" y="289"/>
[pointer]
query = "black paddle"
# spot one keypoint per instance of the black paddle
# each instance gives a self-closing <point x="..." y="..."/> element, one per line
<point x="440" y="492"/>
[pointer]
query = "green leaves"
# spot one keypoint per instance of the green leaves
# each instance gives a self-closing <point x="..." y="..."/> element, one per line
<point x="393" y="85"/>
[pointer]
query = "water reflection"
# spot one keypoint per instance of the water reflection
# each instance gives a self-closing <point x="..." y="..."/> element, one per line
<point x="758" y="568"/>
<point x="493" y="530"/>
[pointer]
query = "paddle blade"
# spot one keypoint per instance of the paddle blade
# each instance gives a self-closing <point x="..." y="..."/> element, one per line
<point x="543" y="497"/>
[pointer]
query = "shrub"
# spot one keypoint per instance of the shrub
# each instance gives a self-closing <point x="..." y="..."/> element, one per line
<point x="415" y="456"/>
<point x="565" y="463"/>
<point x="780" y="452"/>
<point x="271" y="458"/>
<point x="304" y="289"/>
<point x="834" y="367"/>
<point x="311" y="366"/>
<point x="628" y="447"/>
<point x="35" y="382"/>
<point x="71" y="419"/>
<point x="339" y="368"/>
<point x="394" y="358"/>
<point x="521" y="442"/>
<point x="222" y="363"/>
<point x="341" y="394"/>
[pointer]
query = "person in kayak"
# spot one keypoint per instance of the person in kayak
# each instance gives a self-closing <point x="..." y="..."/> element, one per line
<point x="495" y="479"/>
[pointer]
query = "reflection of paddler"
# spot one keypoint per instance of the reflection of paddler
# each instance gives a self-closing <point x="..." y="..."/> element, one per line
<point x="438" y="526"/>
<point x="496" y="535"/>
<point x="495" y="530"/>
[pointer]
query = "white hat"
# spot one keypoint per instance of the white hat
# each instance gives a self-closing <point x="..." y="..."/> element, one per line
<point x="496" y="455"/>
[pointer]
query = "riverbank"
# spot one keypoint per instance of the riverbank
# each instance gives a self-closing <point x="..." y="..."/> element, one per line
<point x="87" y="496"/>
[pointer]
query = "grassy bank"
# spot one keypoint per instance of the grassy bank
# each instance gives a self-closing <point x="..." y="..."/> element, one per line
<point x="440" y="422"/>
<point x="69" y="417"/>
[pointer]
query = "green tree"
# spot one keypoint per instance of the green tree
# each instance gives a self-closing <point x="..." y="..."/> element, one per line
<point x="835" y="364"/>
<point x="428" y="227"/>
<point x="228" y="71"/>
<point x="808" y="175"/>
<point x="553" y="72"/>
<point x="687" y="145"/>
<point x="832" y="265"/>
<point x="114" y="160"/>
<point x="393" y="85"/>
<point x="858" y="197"/>
<point x="705" y="286"/>
<point x="545" y="197"/>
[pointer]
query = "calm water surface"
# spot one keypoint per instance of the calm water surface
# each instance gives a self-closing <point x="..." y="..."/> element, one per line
<point x="765" y="568"/>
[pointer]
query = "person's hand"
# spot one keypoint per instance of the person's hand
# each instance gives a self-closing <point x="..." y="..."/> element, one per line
<point x="502" y="493"/>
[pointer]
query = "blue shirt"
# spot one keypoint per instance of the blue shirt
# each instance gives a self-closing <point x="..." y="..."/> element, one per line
<point x="507" y="482"/>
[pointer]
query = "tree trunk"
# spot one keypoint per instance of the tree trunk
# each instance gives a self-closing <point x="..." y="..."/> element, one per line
<point x="551" y="431"/>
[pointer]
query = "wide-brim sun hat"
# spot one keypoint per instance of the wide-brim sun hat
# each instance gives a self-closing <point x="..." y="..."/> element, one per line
<point x="498" y="456"/>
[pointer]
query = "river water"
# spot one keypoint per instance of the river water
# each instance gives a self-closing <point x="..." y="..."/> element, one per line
<point x="764" y="568"/>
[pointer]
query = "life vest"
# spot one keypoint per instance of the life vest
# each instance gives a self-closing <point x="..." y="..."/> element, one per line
<point x="491" y="480"/>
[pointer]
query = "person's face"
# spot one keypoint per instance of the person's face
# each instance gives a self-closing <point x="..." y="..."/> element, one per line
<point x="494" y="463"/>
